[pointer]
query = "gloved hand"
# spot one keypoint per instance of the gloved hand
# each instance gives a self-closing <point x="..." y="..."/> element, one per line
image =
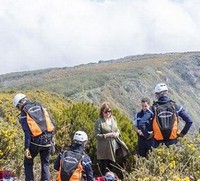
<point x="27" y="153"/>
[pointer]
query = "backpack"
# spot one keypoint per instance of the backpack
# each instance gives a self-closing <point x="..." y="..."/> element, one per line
<point x="38" y="119"/>
<point x="71" y="167"/>
<point x="165" y="121"/>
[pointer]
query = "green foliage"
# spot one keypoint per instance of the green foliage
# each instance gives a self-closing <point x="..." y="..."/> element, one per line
<point x="11" y="134"/>
<point x="82" y="116"/>
<point x="79" y="116"/>
<point x="7" y="135"/>
<point x="181" y="162"/>
<point x="178" y="163"/>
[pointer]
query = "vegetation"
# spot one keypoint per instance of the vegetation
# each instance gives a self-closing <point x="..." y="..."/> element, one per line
<point x="177" y="163"/>
<point x="69" y="116"/>
<point x="73" y="95"/>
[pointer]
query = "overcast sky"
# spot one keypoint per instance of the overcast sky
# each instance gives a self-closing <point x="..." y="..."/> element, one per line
<point x="38" y="34"/>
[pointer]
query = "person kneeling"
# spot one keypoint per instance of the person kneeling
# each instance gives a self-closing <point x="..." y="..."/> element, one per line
<point x="71" y="163"/>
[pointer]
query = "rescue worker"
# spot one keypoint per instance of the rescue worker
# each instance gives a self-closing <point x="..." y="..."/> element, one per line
<point x="73" y="162"/>
<point x="164" y="135"/>
<point x="38" y="133"/>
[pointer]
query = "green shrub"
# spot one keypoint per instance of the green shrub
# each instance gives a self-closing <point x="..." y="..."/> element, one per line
<point x="179" y="162"/>
<point x="82" y="116"/>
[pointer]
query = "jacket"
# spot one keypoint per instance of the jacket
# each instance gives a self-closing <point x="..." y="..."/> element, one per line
<point x="106" y="147"/>
<point x="138" y="117"/>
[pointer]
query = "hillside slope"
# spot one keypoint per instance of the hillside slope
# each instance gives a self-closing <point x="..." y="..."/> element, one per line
<point x="122" y="82"/>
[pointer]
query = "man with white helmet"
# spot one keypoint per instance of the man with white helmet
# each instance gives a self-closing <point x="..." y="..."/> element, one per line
<point x="18" y="99"/>
<point x="164" y="115"/>
<point x="73" y="162"/>
<point x="38" y="129"/>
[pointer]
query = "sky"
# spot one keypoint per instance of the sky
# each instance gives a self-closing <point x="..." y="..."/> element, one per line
<point x="40" y="34"/>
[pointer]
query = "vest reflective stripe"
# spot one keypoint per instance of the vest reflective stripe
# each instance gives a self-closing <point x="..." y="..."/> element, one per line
<point x="76" y="176"/>
<point x="157" y="132"/>
<point x="35" y="128"/>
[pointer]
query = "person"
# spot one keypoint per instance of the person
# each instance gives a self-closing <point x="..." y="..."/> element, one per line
<point x="82" y="164"/>
<point x="38" y="127"/>
<point x="143" y="144"/>
<point x="164" y="115"/>
<point x="108" y="139"/>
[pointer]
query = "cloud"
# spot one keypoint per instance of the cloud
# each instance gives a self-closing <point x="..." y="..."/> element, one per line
<point x="42" y="34"/>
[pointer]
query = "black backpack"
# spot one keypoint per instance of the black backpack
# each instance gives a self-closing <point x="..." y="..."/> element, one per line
<point x="69" y="163"/>
<point x="165" y="114"/>
<point x="38" y="119"/>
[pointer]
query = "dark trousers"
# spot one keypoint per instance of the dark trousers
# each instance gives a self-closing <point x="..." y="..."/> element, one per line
<point x="44" y="158"/>
<point x="105" y="166"/>
<point x="144" y="146"/>
<point x="165" y="142"/>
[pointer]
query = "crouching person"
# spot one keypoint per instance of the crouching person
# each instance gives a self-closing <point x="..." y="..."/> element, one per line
<point x="72" y="163"/>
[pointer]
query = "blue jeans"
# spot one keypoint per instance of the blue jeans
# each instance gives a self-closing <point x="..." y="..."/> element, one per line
<point x="44" y="158"/>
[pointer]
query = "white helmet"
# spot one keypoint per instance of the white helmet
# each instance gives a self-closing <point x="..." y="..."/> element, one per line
<point x="160" y="88"/>
<point x="17" y="98"/>
<point x="80" y="136"/>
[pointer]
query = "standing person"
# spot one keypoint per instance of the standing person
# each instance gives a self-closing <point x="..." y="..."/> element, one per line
<point x="38" y="129"/>
<point x="71" y="163"/>
<point x="107" y="136"/>
<point x="144" y="145"/>
<point x="164" y="114"/>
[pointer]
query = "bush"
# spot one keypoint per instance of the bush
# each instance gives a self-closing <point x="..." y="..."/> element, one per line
<point x="179" y="162"/>
<point x="82" y="116"/>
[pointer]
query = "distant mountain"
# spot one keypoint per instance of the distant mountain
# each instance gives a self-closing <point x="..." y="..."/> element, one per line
<point x="123" y="82"/>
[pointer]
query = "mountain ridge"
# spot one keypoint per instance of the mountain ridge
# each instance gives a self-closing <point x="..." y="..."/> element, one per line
<point x="123" y="82"/>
